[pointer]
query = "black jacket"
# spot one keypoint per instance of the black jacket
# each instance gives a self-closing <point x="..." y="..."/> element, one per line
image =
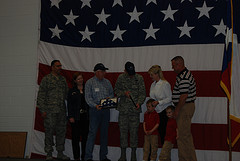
<point x="75" y="103"/>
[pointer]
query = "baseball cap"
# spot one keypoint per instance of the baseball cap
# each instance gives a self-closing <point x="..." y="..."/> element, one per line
<point x="130" y="69"/>
<point x="99" y="66"/>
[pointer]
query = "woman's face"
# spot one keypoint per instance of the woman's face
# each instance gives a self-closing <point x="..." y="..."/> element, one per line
<point x="79" y="80"/>
<point x="154" y="77"/>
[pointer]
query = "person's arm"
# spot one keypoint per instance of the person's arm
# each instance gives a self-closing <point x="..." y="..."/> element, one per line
<point x="144" y="128"/>
<point x="110" y="89"/>
<point x="66" y="89"/>
<point x="88" y="95"/>
<point x="184" y="88"/>
<point x="70" y="99"/>
<point x="119" y="89"/>
<point x="166" y="89"/>
<point x="142" y="92"/>
<point x="182" y="100"/>
<point x="41" y="98"/>
<point x="177" y="133"/>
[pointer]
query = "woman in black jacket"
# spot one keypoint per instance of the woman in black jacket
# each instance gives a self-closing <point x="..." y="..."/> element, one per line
<point x="78" y="115"/>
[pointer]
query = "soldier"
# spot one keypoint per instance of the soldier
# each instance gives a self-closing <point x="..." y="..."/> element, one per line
<point x="130" y="89"/>
<point x="51" y="103"/>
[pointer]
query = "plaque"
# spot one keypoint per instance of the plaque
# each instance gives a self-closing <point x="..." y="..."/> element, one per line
<point x="109" y="102"/>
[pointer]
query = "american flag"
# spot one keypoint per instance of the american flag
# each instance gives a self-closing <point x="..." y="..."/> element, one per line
<point x="82" y="33"/>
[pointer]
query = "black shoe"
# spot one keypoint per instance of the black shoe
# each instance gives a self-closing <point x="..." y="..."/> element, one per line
<point x="106" y="159"/>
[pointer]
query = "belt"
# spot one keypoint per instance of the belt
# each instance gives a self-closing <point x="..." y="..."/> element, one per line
<point x="185" y="102"/>
<point x="190" y="102"/>
<point x="83" y="111"/>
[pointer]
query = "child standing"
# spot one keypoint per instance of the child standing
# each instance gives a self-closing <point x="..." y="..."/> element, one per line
<point x="171" y="136"/>
<point x="150" y="126"/>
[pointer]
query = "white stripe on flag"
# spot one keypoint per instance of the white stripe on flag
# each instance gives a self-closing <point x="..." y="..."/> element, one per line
<point x="197" y="57"/>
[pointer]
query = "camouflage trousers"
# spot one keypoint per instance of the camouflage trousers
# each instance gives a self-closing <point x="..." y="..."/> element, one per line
<point x="55" y="123"/>
<point x="128" y="122"/>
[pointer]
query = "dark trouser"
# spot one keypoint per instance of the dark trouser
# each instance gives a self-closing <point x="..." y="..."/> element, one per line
<point x="55" y="122"/>
<point x="162" y="125"/>
<point x="98" y="119"/>
<point x="79" y="128"/>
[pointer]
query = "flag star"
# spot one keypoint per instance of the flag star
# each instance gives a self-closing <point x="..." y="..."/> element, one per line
<point x="185" y="0"/>
<point x="221" y="28"/>
<point x="70" y="18"/>
<point x="102" y="17"/>
<point x="169" y="13"/>
<point x="86" y="3"/>
<point x="134" y="15"/>
<point x="55" y="32"/>
<point x="149" y="1"/>
<point x="151" y="32"/>
<point x="204" y="10"/>
<point x="119" y="2"/>
<point x="118" y="33"/>
<point x="86" y="34"/>
<point x="55" y="3"/>
<point x="185" y="30"/>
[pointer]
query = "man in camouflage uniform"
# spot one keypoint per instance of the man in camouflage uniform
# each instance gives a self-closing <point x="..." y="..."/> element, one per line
<point x="130" y="89"/>
<point x="51" y="103"/>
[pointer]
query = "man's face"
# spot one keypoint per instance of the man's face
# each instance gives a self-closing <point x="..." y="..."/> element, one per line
<point x="56" y="68"/>
<point x="100" y="74"/>
<point x="175" y="66"/>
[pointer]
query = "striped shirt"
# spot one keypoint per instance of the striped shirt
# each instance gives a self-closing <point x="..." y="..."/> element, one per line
<point x="185" y="84"/>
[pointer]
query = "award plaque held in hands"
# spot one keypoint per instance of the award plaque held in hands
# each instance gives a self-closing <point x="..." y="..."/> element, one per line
<point x="109" y="102"/>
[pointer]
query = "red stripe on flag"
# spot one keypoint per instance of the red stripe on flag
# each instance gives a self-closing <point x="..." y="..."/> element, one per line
<point x="207" y="82"/>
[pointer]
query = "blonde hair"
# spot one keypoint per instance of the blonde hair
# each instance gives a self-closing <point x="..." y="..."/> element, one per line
<point x="156" y="69"/>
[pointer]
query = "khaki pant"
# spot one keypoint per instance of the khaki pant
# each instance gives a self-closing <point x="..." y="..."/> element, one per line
<point x="150" y="140"/>
<point x="165" y="154"/>
<point x="186" y="150"/>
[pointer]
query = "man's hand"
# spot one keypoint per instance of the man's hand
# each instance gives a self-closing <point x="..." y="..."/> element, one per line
<point x="148" y="132"/>
<point x="71" y="120"/>
<point x="155" y="103"/>
<point x="137" y="106"/>
<point x="127" y="93"/>
<point x="98" y="107"/>
<point x="44" y="115"/>
<point x="175" y="114"/>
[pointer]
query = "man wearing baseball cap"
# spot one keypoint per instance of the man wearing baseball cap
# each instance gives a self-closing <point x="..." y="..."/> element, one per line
<point x="130" y="89"/>
<point x="98" y="88"/>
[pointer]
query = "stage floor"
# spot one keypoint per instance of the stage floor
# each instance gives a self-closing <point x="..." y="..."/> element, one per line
<point x="15" y="159"/>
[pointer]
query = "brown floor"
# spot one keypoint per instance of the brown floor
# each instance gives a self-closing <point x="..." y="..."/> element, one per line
<point x="15" y="159"/>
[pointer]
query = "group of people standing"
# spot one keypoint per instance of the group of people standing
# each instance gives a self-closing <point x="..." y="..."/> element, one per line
<point x="86" y="115"/>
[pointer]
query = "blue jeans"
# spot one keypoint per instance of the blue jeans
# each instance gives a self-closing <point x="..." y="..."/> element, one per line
<point x="98" y="119"/>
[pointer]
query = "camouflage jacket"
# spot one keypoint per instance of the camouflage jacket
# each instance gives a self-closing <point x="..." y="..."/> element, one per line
<point x="52" y="94"/>
<point x="137" y="90"/>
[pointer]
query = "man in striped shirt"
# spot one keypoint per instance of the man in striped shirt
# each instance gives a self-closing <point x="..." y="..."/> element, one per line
<point x="184" y="95"/>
